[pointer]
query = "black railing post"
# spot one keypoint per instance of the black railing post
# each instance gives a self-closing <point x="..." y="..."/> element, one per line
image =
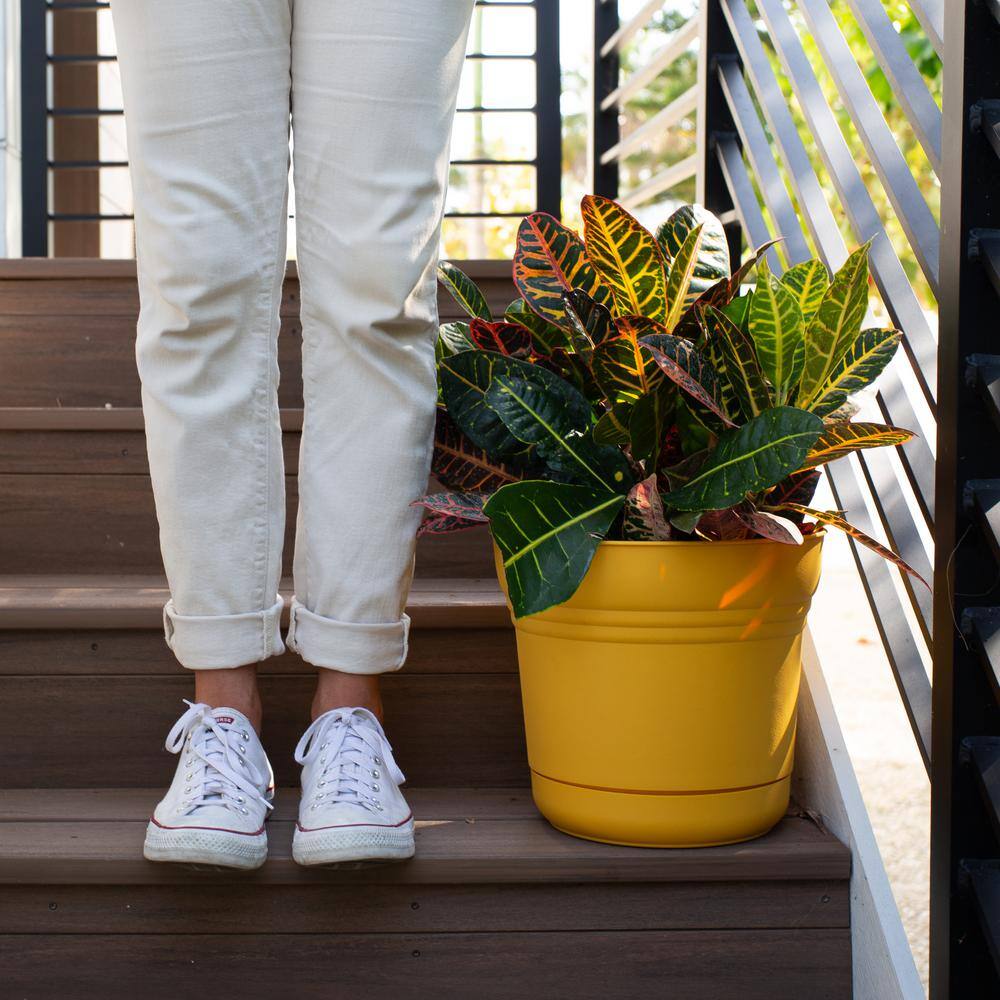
<point x="34" y="112"/>
<point x="715" y="119"/>
<point x="965" y="915"/>
<point x="548" y="117"/>
<point x="606" y="131"/>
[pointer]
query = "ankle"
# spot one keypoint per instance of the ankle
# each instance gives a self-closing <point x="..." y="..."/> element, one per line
<point x="232" y="688"/>
<point x="335" y="689"/>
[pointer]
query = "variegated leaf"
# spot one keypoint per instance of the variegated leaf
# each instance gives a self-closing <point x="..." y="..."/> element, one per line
<point x="769" y="525"/>
<point x="741" y="370"/>
<point x="626" y="256"/>
<point x="836" y="325"/>
<point x="463" y="290"/>
<point x="459" y="464"/>
<point x="547" y="534"/>
<point x="549" y="262"/>
<point x="749" y="459"/>
<point x="644" y="520"/>
<point x="775" y="323"/>
<point x="721" y="526"/>
<point x="860" y="365"/>
<point x="799" y="487"/>
<point x="504" y="338"/>
<point x="836" y="521"/>
<point x="713" y="254"/>
<point x="451" y="512"/>
<point x="681" y="472"/>
<point x="680" y="295"/>
<point x="838" y="440"/>
<point x="648" y="423"/>
<point x="612" y="427"/>
<point x="592" y="323"/>
<point x="623" y="370"/>
<point x="689" y="370"/>
<point x="809" y="282"/>
<point x="546" y="337"/>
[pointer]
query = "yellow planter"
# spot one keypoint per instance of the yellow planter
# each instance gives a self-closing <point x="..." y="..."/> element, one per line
<point x="660" y="700"/>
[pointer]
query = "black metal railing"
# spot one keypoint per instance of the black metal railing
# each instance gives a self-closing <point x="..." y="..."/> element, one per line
<point x="42" y="116"/>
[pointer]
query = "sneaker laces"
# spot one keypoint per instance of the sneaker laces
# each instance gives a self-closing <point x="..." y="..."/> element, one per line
<point x="350" y="748"/>
<point x="218" y="774"/>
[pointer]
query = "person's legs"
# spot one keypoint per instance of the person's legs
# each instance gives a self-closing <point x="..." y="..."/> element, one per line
<point x="374" y="87"/>
<point x="206" y="89"/>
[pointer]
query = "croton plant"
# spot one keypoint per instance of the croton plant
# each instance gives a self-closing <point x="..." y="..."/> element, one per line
<point x="639" y="389"/>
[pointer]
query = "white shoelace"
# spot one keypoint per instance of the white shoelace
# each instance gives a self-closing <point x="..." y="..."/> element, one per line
<point x="218" y="774"/>
<point x="350" y="749"/>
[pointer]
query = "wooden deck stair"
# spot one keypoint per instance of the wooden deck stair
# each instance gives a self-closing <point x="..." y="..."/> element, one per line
<point x="496" y="903"/>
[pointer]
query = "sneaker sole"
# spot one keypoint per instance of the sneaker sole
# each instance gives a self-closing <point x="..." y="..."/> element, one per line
<point x="205" y="847"/>
<point x="338" y="845"/>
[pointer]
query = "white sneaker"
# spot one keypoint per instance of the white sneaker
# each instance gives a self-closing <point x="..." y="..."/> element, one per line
<point x="214" y="811"/>
<point x="352" y="808"/>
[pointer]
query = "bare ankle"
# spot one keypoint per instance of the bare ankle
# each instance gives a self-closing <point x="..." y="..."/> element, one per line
<point x="232" y="688"/>
<point x="335" y="689"/>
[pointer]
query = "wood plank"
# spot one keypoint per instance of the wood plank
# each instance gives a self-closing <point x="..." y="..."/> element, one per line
<point x="693" y="965"/>
<point x="90" y="652"/>
<point x="335" y="909"/>
<point x="39" y="601"/>
<point x="449" y="851"/>
<point x="106" y="731"/>
<point x="83" y="805"/>
<point x="107" y="523"/>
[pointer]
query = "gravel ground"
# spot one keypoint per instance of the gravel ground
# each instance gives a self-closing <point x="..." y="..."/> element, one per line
<point x="890" y="772"/>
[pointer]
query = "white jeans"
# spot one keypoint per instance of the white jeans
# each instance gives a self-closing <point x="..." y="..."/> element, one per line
<point x="209" y="86"/>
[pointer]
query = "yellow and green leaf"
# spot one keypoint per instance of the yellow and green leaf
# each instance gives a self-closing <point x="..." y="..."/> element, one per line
<point x="549" y="262"/>
<point x="836" y="325"/>
<point x="623" y="370"/>
<point x="861" y="364"/>
<point x="463" y="290"/>
<point x="808" y="281"/>
<point x="841" y="439"/>
<point x="713" y="261"/>
<point x="775" y="323"/>
<point x="680" y="296"/>
<point x="626" y="256"/>
<point x="740" y="368"/>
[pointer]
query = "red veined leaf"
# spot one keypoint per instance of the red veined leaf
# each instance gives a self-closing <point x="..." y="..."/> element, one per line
<point x="502" y="337"/>
<point x="458" y="464"/>
<point x="769" y="525"/>
<point x="689" y="370"/>
<point x="451" y="512"/>
<point x="797" y="488"/>
<point x="644" y="520"/>
<point x="836" y="521"/>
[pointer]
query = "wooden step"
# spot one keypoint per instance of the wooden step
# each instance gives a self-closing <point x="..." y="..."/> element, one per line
<point x="496" y="904"/>
<point x="87" y="654"/>
<point x="67" y="330"/>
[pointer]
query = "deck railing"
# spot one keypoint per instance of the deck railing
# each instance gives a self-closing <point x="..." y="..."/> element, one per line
<point x="793" y="143"/>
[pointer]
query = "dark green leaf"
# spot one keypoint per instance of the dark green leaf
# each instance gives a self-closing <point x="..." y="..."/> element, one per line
<point x="463" y="290"/>
<point x="740" y="367"/>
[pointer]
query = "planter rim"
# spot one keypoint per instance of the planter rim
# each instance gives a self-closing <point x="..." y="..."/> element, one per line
<point x="818" y="533"/>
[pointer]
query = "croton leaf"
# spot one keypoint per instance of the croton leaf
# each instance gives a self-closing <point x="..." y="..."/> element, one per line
<point x="837" y="323"/>
<point x="648" y="422"/>
<point x="546" y="337"/>
<point x="626" y="256"/>
<point x="504" y="338"/>
<point x="591" y="321"/>
<point x="721" y="526"/>
<point x="860" y="365"/>
<point x="452" y="338"/>
<point x="749" y="459"/>
<point x="623" y="370"/>
<point x="775" y="323"/>
<point x="460" y="465"/>
<point x="463" y="290"/>
<point x="452" y="512"/>
<point x="547" y="534"/>
<point x="548" y="262"/>
<point x="841" y="439"/>
<point x="688" y="369"/>
<point x="798" y="488"/>
<point x="746" y="268"/>
<point x="836" y="521"/>
<point x="740" y="366"/>
<point x="465" y="379"/>
<point x="612" y="427"/>
<point x="808" y="281"/>
<point x="681" y="472"/>
<point x="644" y="520"/>
<point x="545" y="412"/>
<point x="769" y="525"/>
<point x="713" y="254"/>
<point x="680" y="295"/>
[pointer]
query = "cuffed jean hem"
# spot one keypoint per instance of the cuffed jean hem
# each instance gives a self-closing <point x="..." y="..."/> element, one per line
<point x="352" y="648"/>
<point x="215" y="642"/>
